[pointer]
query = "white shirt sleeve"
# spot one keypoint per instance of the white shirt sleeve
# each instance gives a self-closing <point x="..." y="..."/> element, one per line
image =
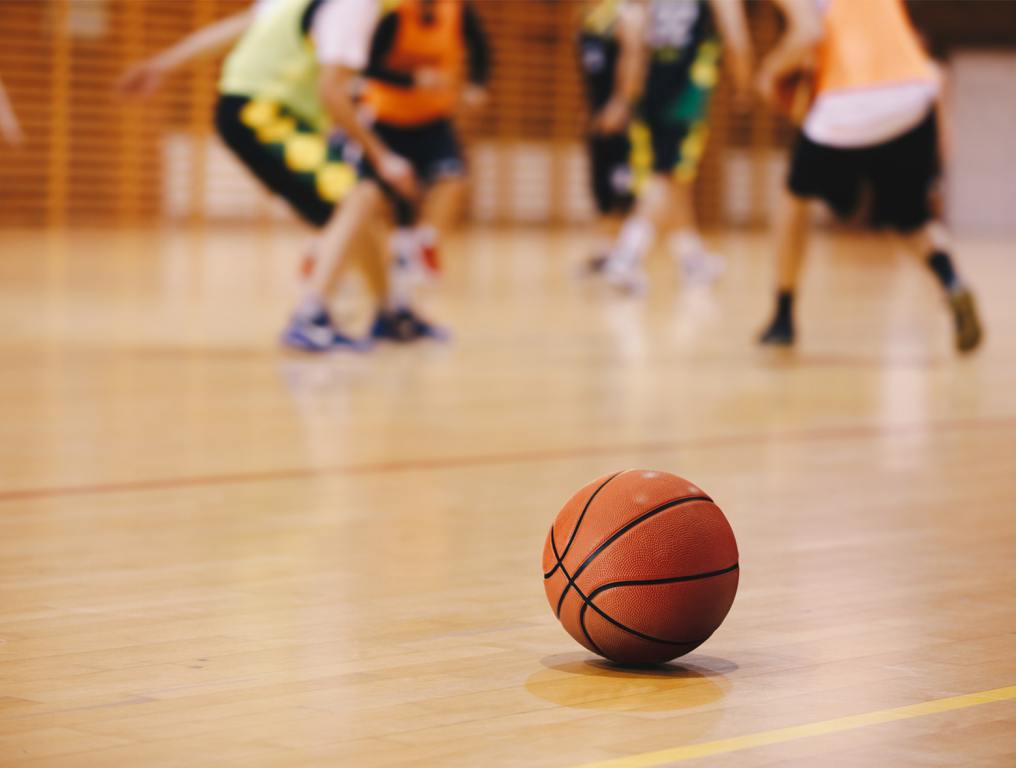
<point x="261" y="7"/>
<point x="342" y="31"/>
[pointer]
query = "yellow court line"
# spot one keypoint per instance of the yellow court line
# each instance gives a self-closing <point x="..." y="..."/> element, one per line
<point x="780" y="735"/>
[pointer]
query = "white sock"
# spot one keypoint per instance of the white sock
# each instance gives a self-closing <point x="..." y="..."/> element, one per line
<point x="404" y="247"/>
<point x="426" y="236"/>
<point x="635" y="239"/>
<point x="400" y="268"/>
<point x="686" y="244"/>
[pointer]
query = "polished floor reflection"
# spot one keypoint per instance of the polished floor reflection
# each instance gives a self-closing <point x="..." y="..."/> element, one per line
<point x="216" y="553"/>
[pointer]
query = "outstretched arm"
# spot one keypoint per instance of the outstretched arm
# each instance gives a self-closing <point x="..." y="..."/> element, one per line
<point x="144" y="77"/>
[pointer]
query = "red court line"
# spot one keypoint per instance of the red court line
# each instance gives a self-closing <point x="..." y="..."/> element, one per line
<point x="517" y="457"/>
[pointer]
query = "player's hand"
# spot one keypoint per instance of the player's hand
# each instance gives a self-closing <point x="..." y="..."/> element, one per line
<point x="613" y="118"/>
<point x="765" y="83"/>
<point x="475" y="96"/>
<point x="397" y="172"/>
<point x="142" y="79"/>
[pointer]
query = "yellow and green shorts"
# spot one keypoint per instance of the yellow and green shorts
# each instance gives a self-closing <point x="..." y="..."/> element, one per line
<point x="669" y="133"/>
<point x="312" y="171"/>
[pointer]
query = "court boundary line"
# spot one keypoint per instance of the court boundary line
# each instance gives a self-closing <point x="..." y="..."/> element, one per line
<point x="511" y="457"/>
<point x="806" y="730"/>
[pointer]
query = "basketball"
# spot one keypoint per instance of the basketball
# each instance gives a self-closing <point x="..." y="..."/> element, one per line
<point x="640" y="567"/>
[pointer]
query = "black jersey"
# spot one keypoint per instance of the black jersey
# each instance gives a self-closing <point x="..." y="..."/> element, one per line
<point x="678" y="30"/>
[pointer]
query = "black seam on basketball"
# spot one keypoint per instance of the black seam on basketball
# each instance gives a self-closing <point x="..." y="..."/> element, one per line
<point x="560" y="564"/>
<point x="578" y="522"/>
<point x="615" y="536"/>
<point x="588" y="603"/>
<point x="585" y="630"/>
<point x="672" y="580"/>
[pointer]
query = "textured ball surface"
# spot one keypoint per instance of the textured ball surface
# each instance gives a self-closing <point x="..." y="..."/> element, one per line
<point x="640" y="567"/>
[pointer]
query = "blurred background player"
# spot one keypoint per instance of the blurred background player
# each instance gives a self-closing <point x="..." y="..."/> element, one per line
<point x="414" y="84"/>
<point x="679" y="54"/>
<point x="284" y="88"/>
<point x="145" y="77"/>
<point x="606" y="60"/>
<point x="872" y="127"/>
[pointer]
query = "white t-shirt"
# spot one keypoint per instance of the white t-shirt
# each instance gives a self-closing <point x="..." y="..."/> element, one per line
<point x="861" y="117"/>
<point x="342" y="31"/>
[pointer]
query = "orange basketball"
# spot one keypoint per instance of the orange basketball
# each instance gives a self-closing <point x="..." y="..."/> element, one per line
<point x="640" y="567"/>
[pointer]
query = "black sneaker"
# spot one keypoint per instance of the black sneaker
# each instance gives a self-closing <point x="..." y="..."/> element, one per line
<point x="404" y="326"/>
<point x="968" y="324"/>
<point x="780" y="333"/>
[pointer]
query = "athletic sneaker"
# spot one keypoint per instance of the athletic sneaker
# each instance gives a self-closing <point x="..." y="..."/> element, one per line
<point x="701" y="267"/>
<point x="317" y="334"/>
<point x="968" y="324"/>
<point x="403" y="326"/>
<point x="594" y="265"/>
<point x="627" y="276"/>
<point x="780" y="333"/>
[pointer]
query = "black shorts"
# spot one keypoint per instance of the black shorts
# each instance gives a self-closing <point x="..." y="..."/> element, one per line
<point x="312" y="171"/>
<point x="610" y="172"/>
<point x="898" y="174"/>
<point x="433" y="151"/>
<point x="670" y="134"/>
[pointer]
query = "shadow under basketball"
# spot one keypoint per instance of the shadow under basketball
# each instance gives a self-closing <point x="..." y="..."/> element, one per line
<point x="583" y="682"/>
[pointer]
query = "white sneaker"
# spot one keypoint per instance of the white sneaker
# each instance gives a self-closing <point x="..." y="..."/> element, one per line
<point x="700" y="267"/>
<point x="626" y="276"/>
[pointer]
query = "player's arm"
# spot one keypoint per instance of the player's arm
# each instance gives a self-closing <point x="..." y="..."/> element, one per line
<point x="478" y="57"/>
<point x="145" y="76"/>
<point x="10" y="129"/>
<point x="795" y="50"/>
<point x="342" y="32"/>
<point x="733" y="24"/>
<point x="631" y="68"/>
<point x="380" y="46"/>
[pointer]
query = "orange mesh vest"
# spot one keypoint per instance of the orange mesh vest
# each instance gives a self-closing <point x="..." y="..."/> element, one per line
<point x="438" y="45"/>
<point x="869" y="42"/>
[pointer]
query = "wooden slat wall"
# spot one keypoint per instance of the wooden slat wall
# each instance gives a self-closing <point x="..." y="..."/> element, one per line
<point x="92" y="158"/>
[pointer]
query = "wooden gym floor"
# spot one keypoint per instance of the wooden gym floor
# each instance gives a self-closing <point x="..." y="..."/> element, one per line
<point x="216" y="554"/>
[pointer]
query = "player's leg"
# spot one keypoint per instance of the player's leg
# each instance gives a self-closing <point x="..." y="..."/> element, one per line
<point x="611" y="181"/>
<point x="791" y="241"/>
<point x="396" y="320"/>
<point x="625" y="267"/>
<point x="903" y="173"/>
<point x="816" y="171"/>
<point x="299" y="164"/>
<point x="686" y="138"/>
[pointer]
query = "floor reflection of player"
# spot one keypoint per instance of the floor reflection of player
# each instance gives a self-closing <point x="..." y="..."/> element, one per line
<point x="873" y="126"/>
<point x="678" y="51"/>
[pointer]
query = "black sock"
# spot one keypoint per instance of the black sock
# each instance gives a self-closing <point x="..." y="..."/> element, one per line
<point x="941" y="264"/>
<point x="784" y="307"/>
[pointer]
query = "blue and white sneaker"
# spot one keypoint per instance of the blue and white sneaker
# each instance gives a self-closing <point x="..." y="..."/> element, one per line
<point x="404" y="326"/>
<point x="318" y="334"/>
